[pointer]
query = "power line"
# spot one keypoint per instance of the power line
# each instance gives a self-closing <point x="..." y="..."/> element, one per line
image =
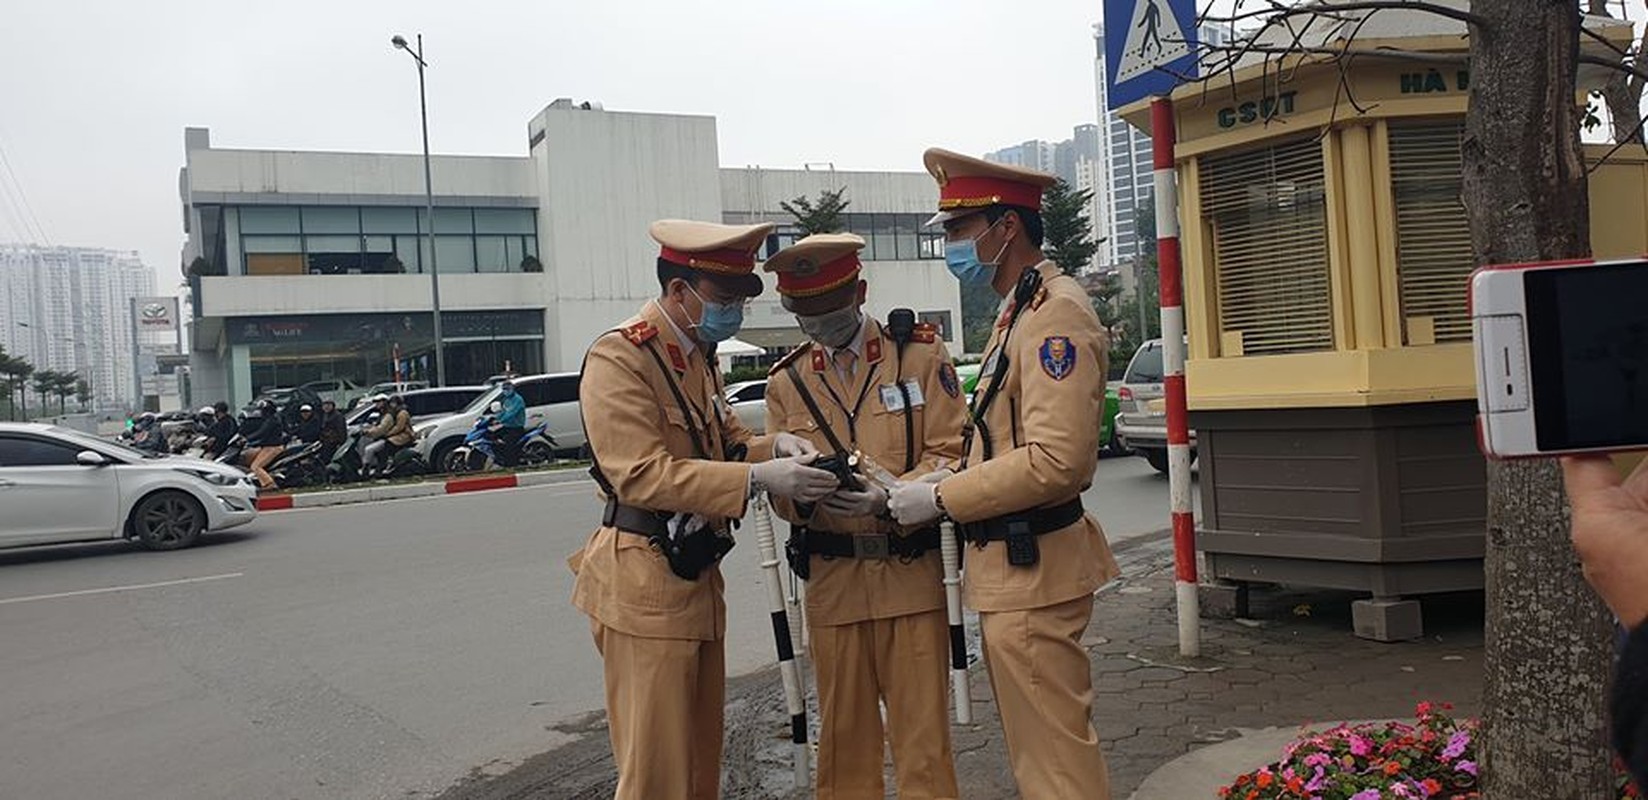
<point x="17" y="185"/>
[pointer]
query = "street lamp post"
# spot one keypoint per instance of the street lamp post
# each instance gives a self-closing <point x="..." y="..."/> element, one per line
<point x="429" y="204"/>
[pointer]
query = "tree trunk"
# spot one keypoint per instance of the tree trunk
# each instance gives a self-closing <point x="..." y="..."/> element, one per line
<point x="1623" y="96"/>
<point x="1547" y="649"/>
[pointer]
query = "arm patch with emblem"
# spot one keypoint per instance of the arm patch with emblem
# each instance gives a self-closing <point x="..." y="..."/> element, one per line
<point x="1058" y="357"/>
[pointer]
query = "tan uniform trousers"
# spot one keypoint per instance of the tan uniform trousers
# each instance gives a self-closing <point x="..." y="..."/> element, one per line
<point x="903" y="659"/>
<point x="1043" y="684"/>
<point x="664" y="714"/>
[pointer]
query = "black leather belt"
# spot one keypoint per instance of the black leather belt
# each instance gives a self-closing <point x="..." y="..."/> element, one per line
<point x="636" y="520"/>
<point x="879" y="546"/>
<point x="1035" y="522"/>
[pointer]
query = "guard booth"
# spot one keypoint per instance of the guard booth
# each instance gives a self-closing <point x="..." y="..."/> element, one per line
<point x="1326" y="258"/>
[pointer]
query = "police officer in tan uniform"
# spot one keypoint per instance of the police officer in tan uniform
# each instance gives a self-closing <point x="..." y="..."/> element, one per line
<point x="875" y="601"/>
<point x="673" y="466"/>
<point x="1034" y="558"/>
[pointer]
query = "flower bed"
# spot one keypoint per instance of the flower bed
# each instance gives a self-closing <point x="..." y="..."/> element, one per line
<point x="1433" y="758"/>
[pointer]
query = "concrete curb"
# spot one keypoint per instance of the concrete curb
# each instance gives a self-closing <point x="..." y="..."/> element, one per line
<point x="1200" y="773"/>
<point x="372" y="494"/>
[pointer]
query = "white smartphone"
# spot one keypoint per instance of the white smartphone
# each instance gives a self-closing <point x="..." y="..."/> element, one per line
<point x="1561" y="357"/>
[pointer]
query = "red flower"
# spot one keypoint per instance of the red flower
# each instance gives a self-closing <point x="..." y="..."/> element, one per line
<point x="1431" y="786"/>
<point x="1296" y="785"/>
<point x="1264" y="780"/>
<point x="1392" y="767"/>
<point x="1244" y="780"/>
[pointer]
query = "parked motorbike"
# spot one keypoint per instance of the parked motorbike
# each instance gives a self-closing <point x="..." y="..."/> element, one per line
<point x="479" y="450"/>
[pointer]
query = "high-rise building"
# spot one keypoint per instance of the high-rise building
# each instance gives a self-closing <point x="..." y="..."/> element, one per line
<point x="69" y="309"/>
<point x="1124" y="150"/>
<point x="1034" y="154"/>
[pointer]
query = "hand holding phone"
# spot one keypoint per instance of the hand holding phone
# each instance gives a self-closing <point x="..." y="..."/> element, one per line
<point x="1561" y="357"/>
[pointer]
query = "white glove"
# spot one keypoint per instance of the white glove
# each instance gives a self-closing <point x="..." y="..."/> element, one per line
<point x="936" y="477"/>
<point x="788" y="444"/>
<point x="848" y="503"/>
<point x="914" y="503"/>
<point x="792" y="478"/>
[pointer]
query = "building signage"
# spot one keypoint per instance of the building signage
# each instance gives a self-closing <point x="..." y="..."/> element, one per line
<point x="156" y="314"/>
<point x="361" y="328"/>
<point x="1433" y="81"/>
<point x="1254" y="111"/>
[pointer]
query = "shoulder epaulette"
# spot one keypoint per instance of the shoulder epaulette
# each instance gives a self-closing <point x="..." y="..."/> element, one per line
<point x="789" y="359"/>
<point x="639" y="333"/>
<point x="925" y="332"/>
<point x="1041" y="297"/>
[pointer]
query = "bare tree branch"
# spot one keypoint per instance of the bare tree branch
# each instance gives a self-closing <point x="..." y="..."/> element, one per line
<point x="1634" y="70"/>
<point x="1277" y="12"/>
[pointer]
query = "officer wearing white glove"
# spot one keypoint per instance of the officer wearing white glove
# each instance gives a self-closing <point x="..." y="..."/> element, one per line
<point x="791" y="477"/>
<point x="872" y="502"/>
<point x="788" y="444"/>
<point x="915" y="502"/>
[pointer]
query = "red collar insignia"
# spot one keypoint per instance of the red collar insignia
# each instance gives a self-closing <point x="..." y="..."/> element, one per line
<point x="677" y="360"/>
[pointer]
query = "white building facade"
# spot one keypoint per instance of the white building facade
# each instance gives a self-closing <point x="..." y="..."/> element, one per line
<point x="318" y="263"/>
<point x="68" y="309"/>
<point x="1126" y="178"/>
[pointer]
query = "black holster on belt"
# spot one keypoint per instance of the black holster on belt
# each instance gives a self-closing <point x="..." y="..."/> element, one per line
<point x="688" y="555"/>
<point x="1019" y="530"/>
<point x="796" y="552"/>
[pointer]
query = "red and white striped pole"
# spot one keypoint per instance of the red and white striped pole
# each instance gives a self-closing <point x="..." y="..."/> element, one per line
<point x="1162" y="138"/>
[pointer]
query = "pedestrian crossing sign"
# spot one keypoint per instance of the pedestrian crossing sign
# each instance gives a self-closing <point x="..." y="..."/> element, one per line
<point x="1149" y="47"/>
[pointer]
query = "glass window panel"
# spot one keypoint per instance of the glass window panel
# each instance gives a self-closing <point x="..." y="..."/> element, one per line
<point x="406" y="249"/>
<point x="881" y="228"/>
<point x="904" y="228"/>
<point x="390" y="220"/>
<point x="492" y="254"/>
<point x="331" y="219"/>
<point x="333" y="255"/>
<point x="454" y="253"/>
<point x="268" y="219"/>
<point x="859" y="224"/>
<point x="531" y="245"/>
<point x="504" y="220"/>
<point x="513" y="252"/>
<point x="453" y="220"/>
<point x="271" y="244"/>
<point x="379" y="249"/>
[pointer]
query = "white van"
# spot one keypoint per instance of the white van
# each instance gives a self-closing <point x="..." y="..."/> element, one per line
<point x="551" y="399"/>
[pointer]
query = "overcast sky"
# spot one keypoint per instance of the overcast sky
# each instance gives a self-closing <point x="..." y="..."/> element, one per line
<point x="94" y="96"/>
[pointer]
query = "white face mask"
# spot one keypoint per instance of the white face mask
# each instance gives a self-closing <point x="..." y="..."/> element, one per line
<point x="832" y="329"/>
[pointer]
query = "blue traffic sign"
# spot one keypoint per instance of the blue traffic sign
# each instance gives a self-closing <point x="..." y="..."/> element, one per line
<point x="1149" y="47"/>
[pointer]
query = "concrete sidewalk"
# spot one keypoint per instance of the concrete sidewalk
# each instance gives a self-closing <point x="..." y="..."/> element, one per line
<point x="1294" y="663"/>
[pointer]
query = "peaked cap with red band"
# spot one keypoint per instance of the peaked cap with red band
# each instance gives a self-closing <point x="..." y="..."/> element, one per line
<point x="817" y="265"/>
<point x="967" y="185"/>
<point x="724" y="253"/>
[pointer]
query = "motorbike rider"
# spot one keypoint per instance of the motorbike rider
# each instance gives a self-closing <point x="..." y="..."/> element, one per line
<point x="392" y="432"/>
<point x="308" y="429"/>
<point x="266" y="441"/>
<point x="511" y="421"/>
<point x="333" y="429"/>
<point x="146" y="433"/>
<point x="219" y="430"/>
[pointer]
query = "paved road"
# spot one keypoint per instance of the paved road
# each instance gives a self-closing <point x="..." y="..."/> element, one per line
<point x="354" y="652"/>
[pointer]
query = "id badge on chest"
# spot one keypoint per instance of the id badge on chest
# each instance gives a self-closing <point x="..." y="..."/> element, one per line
<point x="893" y="400"/>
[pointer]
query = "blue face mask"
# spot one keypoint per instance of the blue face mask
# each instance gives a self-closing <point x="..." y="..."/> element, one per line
<point x="720" y="322"/>
<point x="963" y="260"/>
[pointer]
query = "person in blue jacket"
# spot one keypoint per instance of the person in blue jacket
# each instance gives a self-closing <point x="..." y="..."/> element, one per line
<point x="511" y="424"/>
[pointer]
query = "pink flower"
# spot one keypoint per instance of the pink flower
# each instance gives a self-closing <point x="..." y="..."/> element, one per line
<point x="1456" y="745"/>
<point x="1465" y="766"/>
<point x="1317" y="759"/>
<point x="1400" y="790"/>
<point x="1423" y="710"/>
<point x="1366" y="794"/>
<point x="1360" y="745"/>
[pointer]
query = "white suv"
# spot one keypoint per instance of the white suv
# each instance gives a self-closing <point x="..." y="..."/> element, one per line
<point x="1141" y="418"/>
<point x="551" y="400"/>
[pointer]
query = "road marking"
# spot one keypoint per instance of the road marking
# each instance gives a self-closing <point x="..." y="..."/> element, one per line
<point x="111" y="589"/>
<point x="567" y="489"/>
